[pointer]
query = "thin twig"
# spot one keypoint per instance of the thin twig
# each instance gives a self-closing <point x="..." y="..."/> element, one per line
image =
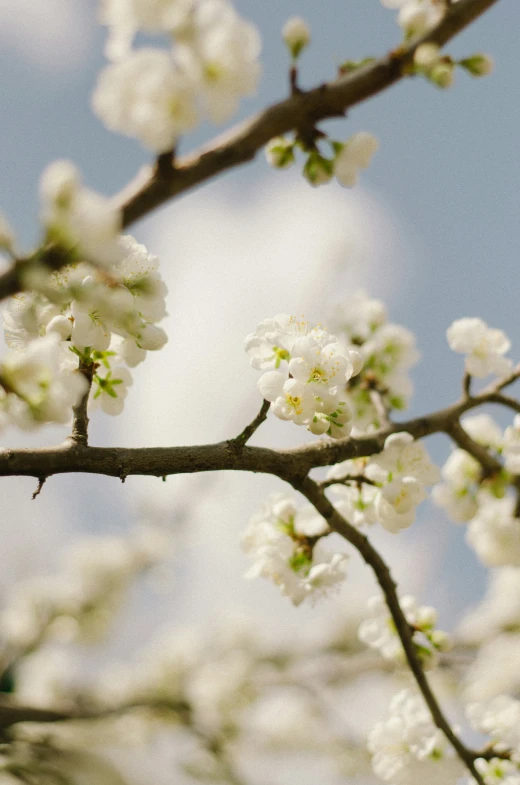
<point x="80" y="420"/>
<point x="358" y="479"/>
<point x="505" y="400"/>
<point x="462" y="438"/>
<point x="249" y="430"/>
<point x="41" y="482"/>
<point x="504" y="381"/>
<point x="316" y="496"/>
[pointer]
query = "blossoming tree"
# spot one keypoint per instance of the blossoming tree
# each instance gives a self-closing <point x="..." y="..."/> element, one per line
<point x="82" y="311"/>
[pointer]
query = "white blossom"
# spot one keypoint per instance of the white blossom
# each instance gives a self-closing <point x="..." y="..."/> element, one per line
<point x="318" y="362"/>
<point x="426" y="55"/>
<point x="460" y="503"/>
<point x="357" y="504"/>
<point x="130" y="352"/>
<point x="355" y="154"/>
<point x="81" y="220"/>
<point x="416" y="17"/>
<point x="111" y="388"/>
<point x="402" y="457"/>
<point x="499" y="718"/>
<point x="151" y="338"/>
<point x="88" y="329"/>
<point x="148" y="97"/>
<point x="296" y="35"/>
<point x="221" y="59"/>
<point x="40" y="388"/>
<point x="484" y="430"/>
<point x="386" y="352"/>
<point x="497" y="771"/>
<point x="311" y="370"/>
<point x="407" y="748"/>
<point x="395" y="505"/>
<point x="139" y="272"/>
<point x="458" y="493"/>
<point x="277" y="541"/>
<point x="378" y="630"/>
<point x="105" y="318"/>
<point x="483" y="345"/>
<point x="273" y="341"/>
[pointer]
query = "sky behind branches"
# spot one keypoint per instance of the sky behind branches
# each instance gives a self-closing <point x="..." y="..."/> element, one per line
<point x="433" y="230"/>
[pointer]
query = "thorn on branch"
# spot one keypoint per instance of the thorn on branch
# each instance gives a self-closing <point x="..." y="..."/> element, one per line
<point x="41" y="483"/>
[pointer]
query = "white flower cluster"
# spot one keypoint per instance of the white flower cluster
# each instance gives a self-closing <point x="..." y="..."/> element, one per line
<point x="388" y="351"/>
<point x="483" y="345"/>
<point x="105" y="319"/>
<point x="468" y="495"/>
<point x="396" y="481"/>
<point x="378" y="631"/>
<point x="39" y="384"/>
<point x="349" y="158"/>
<point x="285" y="545"/>
<point x="408" y="749"/>
<point x="156" y="95"/>
<point x="79" y="602"/>
<point x="416" y="17"/>
<point x="460" y="492"/>
<point x="306" y="372"/>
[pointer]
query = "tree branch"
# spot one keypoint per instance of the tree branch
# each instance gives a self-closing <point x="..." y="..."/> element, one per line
<point x="241" y="143"/>
<point x="287" y="464"/>
<point x="159" y="183"/>
<point x="317" y="498"/>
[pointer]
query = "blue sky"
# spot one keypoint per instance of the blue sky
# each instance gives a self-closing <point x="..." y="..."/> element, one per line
<point x="434" y="229"/>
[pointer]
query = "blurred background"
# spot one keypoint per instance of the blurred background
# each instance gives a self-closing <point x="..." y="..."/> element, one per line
<point x="432" y="230"/>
